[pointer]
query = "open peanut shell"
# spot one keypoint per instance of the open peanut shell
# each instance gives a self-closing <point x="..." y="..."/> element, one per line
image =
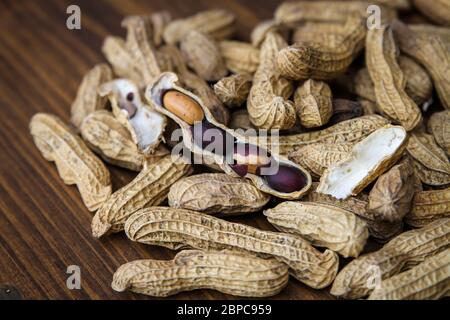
<point x="369" y="158"/>
<point x="145" y="125"/>
<point x="167" y="82"/>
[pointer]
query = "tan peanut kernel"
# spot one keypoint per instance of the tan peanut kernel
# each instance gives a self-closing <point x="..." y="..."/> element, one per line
<point x="391" y="196"/>
<point x="408" y="249"/>
<point x="183" y="107"/>
<point x="76" y="164"/>
<point x="429" y="206"/>
<point x="179" y="228"/>
<point x="429" y="280"/>
<point x="226" y="271"/>
<point x="149" y="188"/>
<point x="218" y="194"/>
<point x="87" y="99"/>
<point x="388" y="79"/>
<point x="324" y="226"/>
<point x="233" y="90"/>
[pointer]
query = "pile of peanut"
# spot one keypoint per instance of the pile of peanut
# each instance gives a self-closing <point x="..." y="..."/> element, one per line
<point x="362" y="104"/>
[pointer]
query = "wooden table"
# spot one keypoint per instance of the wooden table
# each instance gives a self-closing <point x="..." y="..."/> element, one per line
<point x="44" y="226"/>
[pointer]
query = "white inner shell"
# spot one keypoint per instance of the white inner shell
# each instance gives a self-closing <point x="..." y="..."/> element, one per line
<point x="147" y="124"/>
<point x="342" y="178"/>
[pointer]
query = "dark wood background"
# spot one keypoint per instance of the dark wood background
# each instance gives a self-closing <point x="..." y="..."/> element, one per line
<point x="44" y="226"/>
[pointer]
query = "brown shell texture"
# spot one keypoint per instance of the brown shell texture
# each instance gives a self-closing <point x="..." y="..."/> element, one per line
<point x="323" y="225"/>
<point x="179" y="228"/>
<point x="315" y="60"/>
<point x="431" y="52"/>
<point x="268" y="104"/>
<point x="388" y="79"/>
<point x="427" y="281"/>
<point x="218" y="23"/>
<point x="241" y="120"/>
<point x="76" y="164"/>
<point x="429" y="206"/>
<point x="203" y="55"/>
<point x="313" y="101"/>
<point x="87" y="99"/>
<point x="233" y="90"/>
<point x="226" y="271"/>
<point x="391" y="196"/>
<point x="149" y="188"/>
<point x="218" y="194"/>
<point x="240" y="57"/>
<point x="437" y="10"/>
<point x="431" y="163"/>
<point x="316" y="157"/>
<point x="350" y="131"/>
<point x="361" y="276"/>
<point x="439" y="127"/>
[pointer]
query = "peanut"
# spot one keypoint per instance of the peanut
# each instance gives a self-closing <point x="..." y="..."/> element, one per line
<point x="317" y="61"/>
<point x="219" y="24"/>
<point x="313" y="101"/>
<point x="104" y="135"/>
<point x="225" y="271"/>
<point x="439" y="127"/>
<point x="260" y="31"/>
<point x="76" y="164"/>
<point x="428" y="280"/>
<point x="268" y="104"/>
<point x="369" y="158"/>
<point x="431" y="52"/>
<point x="438" y="10"/>
<point x="218" y="194"/>
<point x="203" y="56"/>
<point x="240" y="57"/>
<point x="391" y="196"/>
<point x="388" y="79"/>
<point x="324" y="226"/>
<point x="431" y="163"/>
<point x="183" y="107"/>
<point x="87" y="99"/>
<point x="233" y="90"/>
<point x="401" y="253"/>
<point x="241" y="120"/>
<point x="150" y="187"/>
<point x="429" y="206"/>
<point x="154" y="25"/>
<point x="178" y="228"/>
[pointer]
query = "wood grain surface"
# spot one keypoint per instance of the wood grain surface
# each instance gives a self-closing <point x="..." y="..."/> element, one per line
<point x="44" y="226"/>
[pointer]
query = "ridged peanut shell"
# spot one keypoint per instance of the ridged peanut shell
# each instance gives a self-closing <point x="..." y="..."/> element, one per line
<point x="439" y="127"/>
<point x="218" y="23"/>
<point x="87" y="99"/>
<point x="324" y="226"/>
<point x="179" y="228"/>
<point x="391" y="196"/>
<point x="427" y="281"/>
<point x="225" y="271"/>
<point x="313" y="101"/>
<point x="408" y="249"/>
<point x="233" y="90"/>
<point x="428" y="206"/>
<point x="149" y="188"/>
<point x="76" y="164"/>
<point x="218" y="194"/>
<point x="203" y="55"/>
<point x="388" y="79"/>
